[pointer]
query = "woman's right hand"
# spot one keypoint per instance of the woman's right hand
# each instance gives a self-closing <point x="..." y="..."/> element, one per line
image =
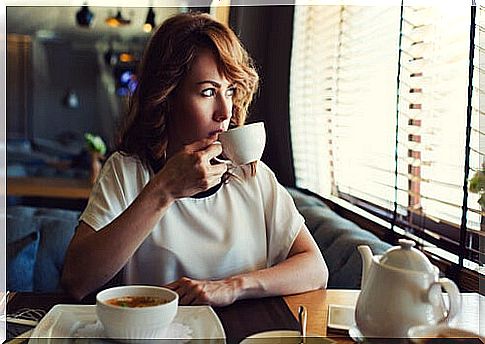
<point x="189" y="171"/>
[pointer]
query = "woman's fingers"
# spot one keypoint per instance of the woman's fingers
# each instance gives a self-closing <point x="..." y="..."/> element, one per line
<point x="189" y="171"/>
<point x="215" y="149"/>
<point x="187" y="298"/>
<point x="196" y="292"/>
<point x="214" y="172"/>
<point x="217" y="170"/>
<point x="188" y="290"/>
<point x="173" y="286"/>
<point x="207" y="149"/>
<point x="179" y="287"/>
<point x="201" y="144"/>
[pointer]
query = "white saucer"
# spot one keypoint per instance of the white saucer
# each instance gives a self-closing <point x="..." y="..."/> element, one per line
<point x="418" y="334"/>
<point x="69" y="323"/>
<point x="284" y="337"/>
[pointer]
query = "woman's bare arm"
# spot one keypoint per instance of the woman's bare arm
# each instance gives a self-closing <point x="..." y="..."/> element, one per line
<point x="303" y="270"/>
<point x="94" y="257"/>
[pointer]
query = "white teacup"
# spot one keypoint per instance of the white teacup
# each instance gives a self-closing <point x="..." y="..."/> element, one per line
<point x="242" y="145"/>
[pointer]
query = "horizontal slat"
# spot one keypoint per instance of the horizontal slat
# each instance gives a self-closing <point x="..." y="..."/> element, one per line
<point x="477" y="151"/>
<point x="382" y="201"/>
<point x="359" y="120"/>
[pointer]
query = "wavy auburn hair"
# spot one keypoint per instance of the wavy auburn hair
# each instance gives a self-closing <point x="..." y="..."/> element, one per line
<point x="166" y="60"/>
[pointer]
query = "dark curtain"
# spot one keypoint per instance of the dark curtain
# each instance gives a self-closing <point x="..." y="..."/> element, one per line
<point x="266" y="32"/>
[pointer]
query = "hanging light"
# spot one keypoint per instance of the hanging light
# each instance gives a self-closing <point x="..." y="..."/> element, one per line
<point x="70" y="99"/>
<point x="117" y="20"/>
<point x="150" y="21"/>
<point x="110" y="57"/>
<point x="127" y="57"/>
<point x="84" y="17"/>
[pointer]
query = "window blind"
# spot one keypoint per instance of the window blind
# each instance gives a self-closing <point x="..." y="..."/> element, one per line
<point x="384" y="111"/>
<point x="342" y="105"/>
<point x="364" y="115"/>
<point x="312" y="89"/>
<point x="432" y="113"/>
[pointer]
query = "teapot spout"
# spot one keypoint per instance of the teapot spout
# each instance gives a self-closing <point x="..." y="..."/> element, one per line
<point x="366" y="254"/>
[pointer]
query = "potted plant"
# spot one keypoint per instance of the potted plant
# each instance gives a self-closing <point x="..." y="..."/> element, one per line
<point x="97" y="150"/>
<point x="477" y="185"/>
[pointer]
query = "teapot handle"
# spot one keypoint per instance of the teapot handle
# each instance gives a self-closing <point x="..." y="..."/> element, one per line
<point x="435" y="296"/>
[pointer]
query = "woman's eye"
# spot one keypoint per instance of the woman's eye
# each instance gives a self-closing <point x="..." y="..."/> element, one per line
<point x="208" y="92"/>
<point x="230" y="91"/>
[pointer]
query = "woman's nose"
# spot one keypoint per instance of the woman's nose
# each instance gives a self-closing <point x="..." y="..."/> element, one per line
<point x="223" y="110"/>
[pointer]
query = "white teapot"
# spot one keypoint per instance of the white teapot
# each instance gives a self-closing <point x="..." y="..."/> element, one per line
<point x="402" y="289"/>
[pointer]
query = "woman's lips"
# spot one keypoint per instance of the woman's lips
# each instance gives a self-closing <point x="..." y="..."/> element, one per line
<point x="213" y="132"/>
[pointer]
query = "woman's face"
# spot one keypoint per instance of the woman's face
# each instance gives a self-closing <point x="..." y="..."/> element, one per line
<point x="202" y="103"/>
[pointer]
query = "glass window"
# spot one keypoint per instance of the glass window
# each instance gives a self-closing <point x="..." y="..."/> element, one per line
<point x="385" y="113"/>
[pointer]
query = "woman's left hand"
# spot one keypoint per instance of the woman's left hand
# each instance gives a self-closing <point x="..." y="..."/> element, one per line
<point x="197" y="292"/>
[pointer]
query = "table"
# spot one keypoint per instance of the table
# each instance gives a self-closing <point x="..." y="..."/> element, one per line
<point x="237" y="319"/>
<point x="48" y="187"/>
<point x="472" y="317"/>
<point x="247" y="317"/>
<point x="316" y="303"/>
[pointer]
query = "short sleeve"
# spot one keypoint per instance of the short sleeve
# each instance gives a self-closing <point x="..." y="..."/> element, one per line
<point x="112" y="193"/>
<point x="283" y="221"/>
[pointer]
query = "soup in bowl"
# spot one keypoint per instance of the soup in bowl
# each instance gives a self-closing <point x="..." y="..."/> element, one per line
<point x="136" y="312"/>
<point x="136" y="301"/>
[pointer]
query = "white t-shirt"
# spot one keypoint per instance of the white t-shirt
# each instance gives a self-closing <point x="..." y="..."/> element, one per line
<point x="250" y="223"/>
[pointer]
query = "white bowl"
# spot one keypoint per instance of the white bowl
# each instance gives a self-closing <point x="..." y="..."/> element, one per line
<point x="137" y="322"/>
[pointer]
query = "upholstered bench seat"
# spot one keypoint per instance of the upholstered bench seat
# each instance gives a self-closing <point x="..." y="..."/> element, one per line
<point x="37" y="239"/>
<point x="337" y="239"/>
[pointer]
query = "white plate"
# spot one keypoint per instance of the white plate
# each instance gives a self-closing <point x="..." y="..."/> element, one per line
<point x="64" y="321"/>
<point x="284" y="337"/>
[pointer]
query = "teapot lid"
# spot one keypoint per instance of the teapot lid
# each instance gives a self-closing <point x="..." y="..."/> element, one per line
<point x="406" y="257"/>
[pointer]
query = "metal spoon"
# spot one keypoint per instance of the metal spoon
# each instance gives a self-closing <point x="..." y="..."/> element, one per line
<point x="302" y="318"/>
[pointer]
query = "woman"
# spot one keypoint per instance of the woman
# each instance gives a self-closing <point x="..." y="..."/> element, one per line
<point x="164" y="213"/>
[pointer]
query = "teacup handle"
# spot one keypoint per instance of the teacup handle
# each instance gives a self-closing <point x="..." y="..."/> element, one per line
<point x="435" y="296"/>
<point x="229" y="163"/>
